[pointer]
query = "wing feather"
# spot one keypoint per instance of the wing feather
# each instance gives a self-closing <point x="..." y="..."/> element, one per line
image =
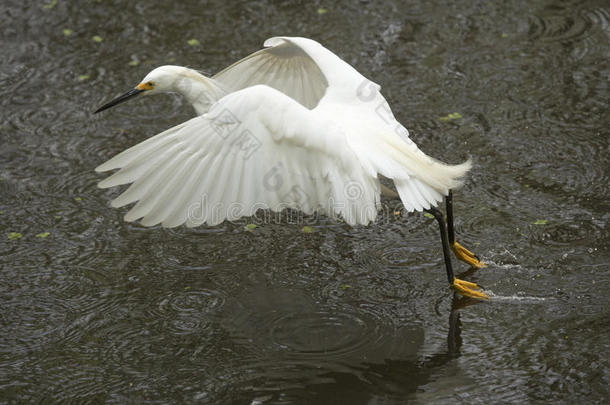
<point x="172" y="195"/>
<point x="144" y="182"/>
<point x="155" y="188"/>
<point x="277" y="157"/>
<point x="283" y="65"/>
<point x="155" y="143"/>
<point x="187" y="199"/>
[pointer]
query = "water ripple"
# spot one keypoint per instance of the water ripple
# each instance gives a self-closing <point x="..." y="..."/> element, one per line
<point x="319" y="334"/>
<point x="577" y="29"/>
<point x="189" y="312"/>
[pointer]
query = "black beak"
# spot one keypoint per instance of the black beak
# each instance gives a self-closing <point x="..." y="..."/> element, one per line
<point x="130" y="94"/>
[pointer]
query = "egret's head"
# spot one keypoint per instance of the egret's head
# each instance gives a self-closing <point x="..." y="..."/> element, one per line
<point x="161" y="79"/>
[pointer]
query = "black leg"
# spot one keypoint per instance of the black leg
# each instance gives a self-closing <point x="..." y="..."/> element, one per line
<point x="463" y="287"/>
<point x="450" y="230"/>
<point x="451" y="233"/>
<point x="441" y="222"/>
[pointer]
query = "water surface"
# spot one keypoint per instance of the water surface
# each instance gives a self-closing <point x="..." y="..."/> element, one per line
<point x="103" y="311"/>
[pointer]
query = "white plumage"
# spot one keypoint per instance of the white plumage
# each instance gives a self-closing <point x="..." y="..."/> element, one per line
<point x="290" y="126"/>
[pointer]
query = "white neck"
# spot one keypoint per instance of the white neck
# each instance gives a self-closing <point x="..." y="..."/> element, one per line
<point x="198" y="90"/>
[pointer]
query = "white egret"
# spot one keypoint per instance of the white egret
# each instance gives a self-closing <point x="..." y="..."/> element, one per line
<point x="290" y="126"/>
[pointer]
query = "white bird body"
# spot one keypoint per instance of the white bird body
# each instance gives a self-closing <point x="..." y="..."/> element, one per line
<point x="290" y="126"/>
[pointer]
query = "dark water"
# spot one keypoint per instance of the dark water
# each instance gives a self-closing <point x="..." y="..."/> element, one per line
<point x="102" y="311"/>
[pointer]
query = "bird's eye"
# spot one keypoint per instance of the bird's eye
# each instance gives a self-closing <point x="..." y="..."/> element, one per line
<point x="146" y="86"/>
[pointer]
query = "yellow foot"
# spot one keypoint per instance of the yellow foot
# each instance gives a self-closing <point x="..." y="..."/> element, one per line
<point x="466" y="255"/>
<point x="467" y="289"/>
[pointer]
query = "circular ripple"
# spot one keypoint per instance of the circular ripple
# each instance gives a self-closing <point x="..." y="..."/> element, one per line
<point x="401" y="256"/>
<point x="320" y="333"/>
<point x="174" y="256"/>
<point x="189" y="311"/>
<point x="43" y="303"/>
<point x="584" y="30"/>
<point x="558" y="28"/>
<point x="196" y="301"/>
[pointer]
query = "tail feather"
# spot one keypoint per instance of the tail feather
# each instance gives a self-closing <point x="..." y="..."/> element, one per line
<point x="438" y="175"/>
<point x="420" y="180"/>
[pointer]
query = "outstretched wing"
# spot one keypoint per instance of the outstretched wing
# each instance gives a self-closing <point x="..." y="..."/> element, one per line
<point x="298" y="67"/>
<point x="255" y="149"/>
